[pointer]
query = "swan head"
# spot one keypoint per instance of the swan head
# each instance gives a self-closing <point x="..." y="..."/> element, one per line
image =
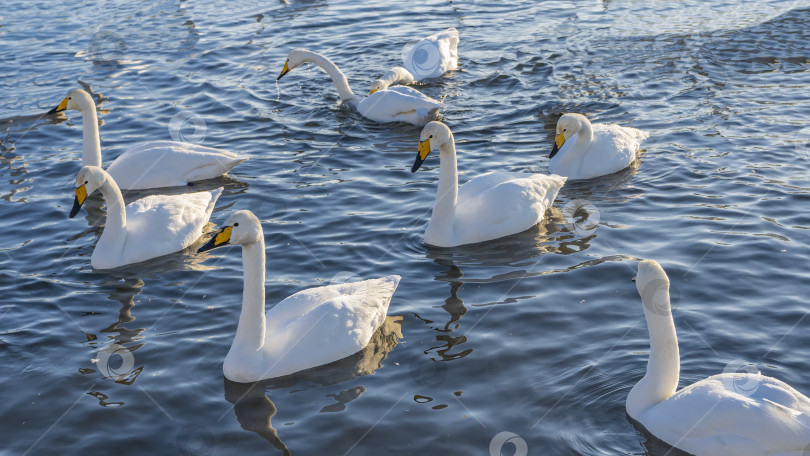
<point x="653" y="286"/>
<point x="295" y="59"/>
<point x="567" y="126"/>
<point x="77" y="99"/>
<point x="392" y="76"/>
<point x="88" y="181"/>
<point x="377" y="85"/>
<point x="242" y="227"/>
<point x="434" y="136"/>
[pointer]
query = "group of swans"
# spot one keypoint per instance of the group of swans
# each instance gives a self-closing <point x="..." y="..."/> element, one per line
<point x="323" y="324"/>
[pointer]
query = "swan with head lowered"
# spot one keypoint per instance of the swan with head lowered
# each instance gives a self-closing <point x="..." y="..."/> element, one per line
<point x="398" y="104"/>
<point x="308" y="329"/>
<point x="430" y="58"/>
<point x="733" y="414"/>
<point x="146" y="228"/>
<point x="583" y="150"/>
<point x="489" y="206"/>
<point x="149" y="165"/>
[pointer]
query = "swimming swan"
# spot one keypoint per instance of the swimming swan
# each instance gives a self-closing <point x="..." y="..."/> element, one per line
<point x="583" y="150"/>
<point x="399" y="104"/>
<point x="429" y="58"/>
<point x="488" y="206"/>
<point x="149" y="227"/>
<point x="149" y="165"/>
<point x="310" y="328"/>
<point x="739" y="414"/>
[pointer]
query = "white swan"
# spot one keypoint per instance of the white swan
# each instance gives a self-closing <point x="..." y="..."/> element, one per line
<point x="429" y="58"/>
<point x="149" y="165"/>
<point x="727" y="414"/>
<point x="399" y="104"/>
<point x="149" y="227"/>
<point x="583" y="150"/>
<point x="310" y="328"/>
<point x="488" y="206"/>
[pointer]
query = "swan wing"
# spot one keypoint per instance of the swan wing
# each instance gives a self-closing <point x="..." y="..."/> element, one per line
<point x="161" y="224"/>
<point x="497" y="204"/>
<point x="733" y="414"/>
<point x="399" y="104"/>
<point x="324" y="324"/>
<point x="169" y="164"/>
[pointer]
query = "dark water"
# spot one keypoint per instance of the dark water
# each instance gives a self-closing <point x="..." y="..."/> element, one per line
<point x="539" y="334"/>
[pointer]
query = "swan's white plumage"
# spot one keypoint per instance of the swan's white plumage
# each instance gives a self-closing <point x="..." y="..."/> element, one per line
<point x="488" y="206"/>
<point x="308" y="329"/>
<point x="398" y="104"/>
<point x="429" y="58"/>
<point x="153" y="164"/>
<point x="446" y="45"/>
<point x="148" y="227"/>
<point x="734" y="414"/>
<point x="592" y="150"/>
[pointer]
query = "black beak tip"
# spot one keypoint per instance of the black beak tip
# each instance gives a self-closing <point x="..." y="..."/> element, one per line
<point x="53" y="111"/>
<point x="416" y="165"/>
<point x="554" y="151"/>
<point x="75" y="209"/>
<point x="281" y="75"/>
<point x="208" y="245"/>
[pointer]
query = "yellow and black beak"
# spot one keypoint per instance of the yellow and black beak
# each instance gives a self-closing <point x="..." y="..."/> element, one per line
<point x="422" y="152"/>
<point x="284" y="70"/>
<point x="81" y="195"/>
<point x="223" y="237"/>
<point x="59" y="108"/>
<point x="372" y="91"/>
<point x="559" y="140"/>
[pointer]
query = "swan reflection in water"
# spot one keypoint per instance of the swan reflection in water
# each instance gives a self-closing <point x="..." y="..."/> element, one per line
<point x="254" y="410"/>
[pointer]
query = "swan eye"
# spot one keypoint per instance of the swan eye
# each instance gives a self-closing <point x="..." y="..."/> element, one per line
<point x="85" y="182"/>
<point x="236" y="224"/>
<point x="431" y="137"/>
<point x="564" y="130"/>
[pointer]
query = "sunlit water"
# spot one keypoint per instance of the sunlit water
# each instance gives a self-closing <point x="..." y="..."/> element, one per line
<point x="540" y="334"/>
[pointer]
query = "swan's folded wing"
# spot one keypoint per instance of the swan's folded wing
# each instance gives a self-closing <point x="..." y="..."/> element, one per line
<point x="324" y="324"/>
<point x="161" y="224"/>
<point x="168" y="164"/>
<point x="399" y="104"/>
<point x="498" y="204"/>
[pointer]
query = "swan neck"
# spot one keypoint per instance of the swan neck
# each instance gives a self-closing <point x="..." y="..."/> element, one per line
<point x="334" y="72"/>
<point x="444" y="210"/>
<point x="251" y="329"/>
<point x="397" y="75"/>
<point x="113" y="237"/>
<point x="663" y="367"/>
<point x="91" y="153"/>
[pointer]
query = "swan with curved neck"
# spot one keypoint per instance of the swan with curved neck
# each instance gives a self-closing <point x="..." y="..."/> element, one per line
<point x="396" y="75"/>
<point x="308" y="329"/>
<point x="397" y="104"/>
<point x="583" y="150"/>
<point x="727" y="414"/>
<point x="488" y="206"/>
<point x="146" y="228"/>
<point x="149" y="165"/>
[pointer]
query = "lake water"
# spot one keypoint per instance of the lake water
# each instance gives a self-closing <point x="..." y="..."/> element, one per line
<point x="524" y="344"/>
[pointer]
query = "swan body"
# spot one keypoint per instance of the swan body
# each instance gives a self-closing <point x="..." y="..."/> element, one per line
<point x="488" y="206"/>
<point x="308" y="329"/>
<point x="429" y="58"/>
<point x="146" y="228"/>
<point x="399" y="104"/>
<point x="583" y="150"/>
<point x="149" y="165"/>
<point x="739" y="414"/>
